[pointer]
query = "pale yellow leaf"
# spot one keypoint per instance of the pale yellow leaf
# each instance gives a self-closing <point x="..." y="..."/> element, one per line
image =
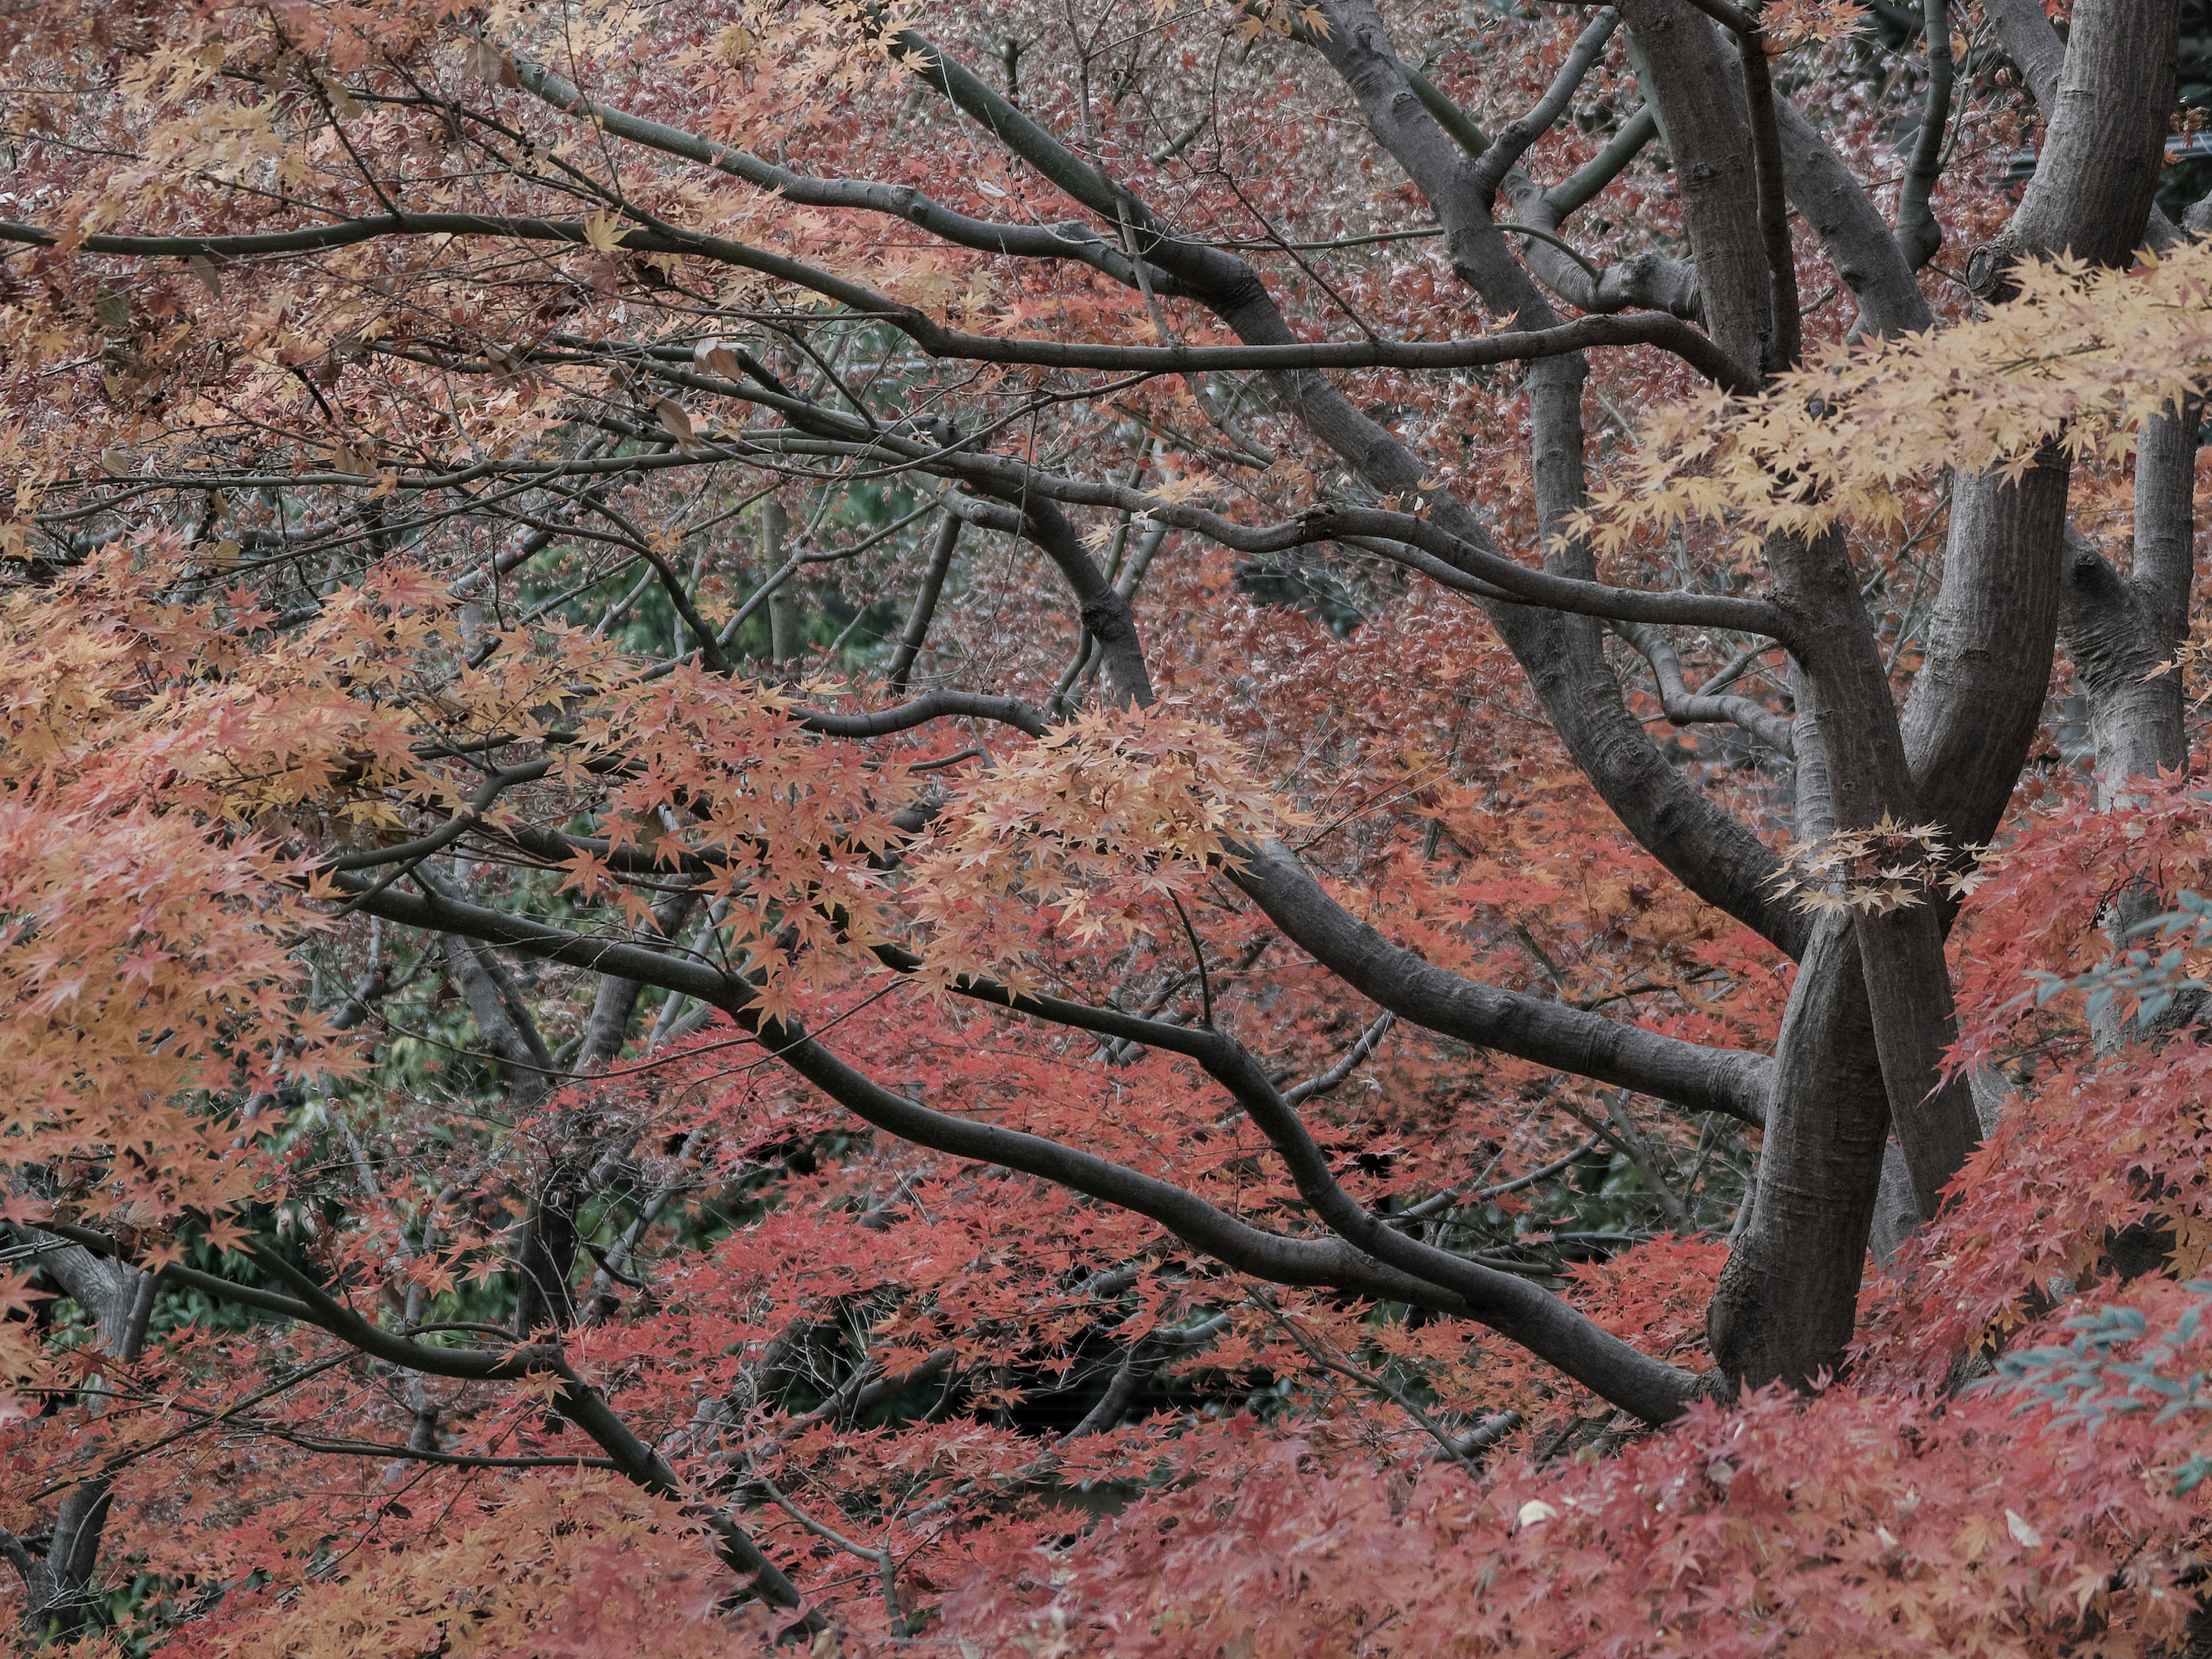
<point x="604" y="231"/>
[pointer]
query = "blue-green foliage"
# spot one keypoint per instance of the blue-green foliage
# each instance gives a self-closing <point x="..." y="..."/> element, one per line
<point x="2151" y="979"/>
<point x="2090" y="1378"/>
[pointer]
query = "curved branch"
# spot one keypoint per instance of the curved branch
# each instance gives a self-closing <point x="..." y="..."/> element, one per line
<point x="1687" y="707"/>
<point x="1073" y="240"/>
<point x="1531" y="1316"/>
<point x="1656" y="329"/>
<point x="1608" y="164"/>
<point x="915" y="634"/>
<point x="1525" y="1312"/>
<point x="1094" y="248"/>
<point x="434" y="912"/>
<point x="1549" y="1033"/>
<point x="1512" y="143"/>
<point x="1012" y="481"/>
<point x="1918" y="235"/>
<point x="1448" y="555"/>
<point x="1005" y="477"/>
<point x="577" y="1400"/>
<point x="1572" y="1040"/>
<point x="1384" y="1269"/>
<point x="920" y="711"/>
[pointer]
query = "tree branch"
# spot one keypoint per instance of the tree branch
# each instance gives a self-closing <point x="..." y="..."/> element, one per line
<point x="1670" y="333"/>
<point x="1686" y="707"/>
<point x="1513" y="142"/>
<point x="1918" y="234"/>
<point x="920" y="711"/>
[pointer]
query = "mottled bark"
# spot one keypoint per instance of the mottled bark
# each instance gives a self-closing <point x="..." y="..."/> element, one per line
<point x="1908" y="988"/>
<point x="1978" y="695"/>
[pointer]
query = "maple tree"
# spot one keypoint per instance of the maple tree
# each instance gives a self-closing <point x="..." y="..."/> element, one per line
<point x="1244" y="829"/>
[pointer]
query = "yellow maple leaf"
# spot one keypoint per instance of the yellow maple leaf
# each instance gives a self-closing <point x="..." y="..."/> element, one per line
<point x="604" y="231"/>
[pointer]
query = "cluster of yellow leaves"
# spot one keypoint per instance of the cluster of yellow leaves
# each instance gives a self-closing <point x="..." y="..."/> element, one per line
<point x="2079" y="358"/>
<point x="577" y="1565"/>
<point x="1106" y="816"/>
<point x="141" y="959"/>
<point x="163" y="756"/>
<point x="156" y="754"/>
<point x="1885" y="867"/>
<point x="121" y="694"/>
<point x="1257" y="17"/>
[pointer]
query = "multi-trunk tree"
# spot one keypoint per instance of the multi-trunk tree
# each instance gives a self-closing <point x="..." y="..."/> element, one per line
<point x="792" y="789"/>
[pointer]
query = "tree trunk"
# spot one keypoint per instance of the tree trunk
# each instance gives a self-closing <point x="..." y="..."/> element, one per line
<point x="120" y="1300"/>
<point x="1791" y="1282"/>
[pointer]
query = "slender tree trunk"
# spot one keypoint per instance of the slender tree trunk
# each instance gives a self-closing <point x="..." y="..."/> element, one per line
<point x="916" y="632"/>
<point x="546" y="1258"/>
<point x="2120" y="632"/>
<point x="120" y="1300"/>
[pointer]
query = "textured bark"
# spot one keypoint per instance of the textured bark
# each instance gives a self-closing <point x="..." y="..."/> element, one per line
<point x="2120" y="630"/>
<point x="1786" y="1308"/>
<point x="1966" y="732"/>
<point x="1908" y="986"/>
<point x="1693" y="82"/>
<point x="1978" y="695"/>
<point x="2106" y="122"/>
<point x="1815" y="811"/>
<point x="1785" y="1303"/>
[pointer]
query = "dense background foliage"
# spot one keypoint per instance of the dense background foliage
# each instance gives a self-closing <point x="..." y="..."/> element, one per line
<point x="643" y="848"/>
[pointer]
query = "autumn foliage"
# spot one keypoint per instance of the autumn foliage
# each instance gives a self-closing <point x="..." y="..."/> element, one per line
<point x="865" y="829"/>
